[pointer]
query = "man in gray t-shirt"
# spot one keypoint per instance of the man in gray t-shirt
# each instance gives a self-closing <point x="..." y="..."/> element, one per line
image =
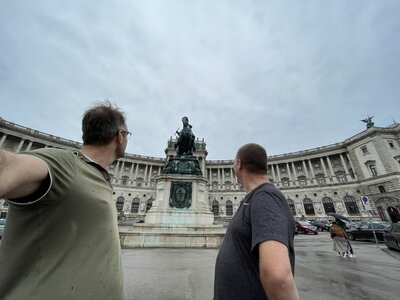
<point x="256" y="259"/>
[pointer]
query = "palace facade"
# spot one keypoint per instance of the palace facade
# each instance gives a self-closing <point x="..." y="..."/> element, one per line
<point x="330" y="178"/>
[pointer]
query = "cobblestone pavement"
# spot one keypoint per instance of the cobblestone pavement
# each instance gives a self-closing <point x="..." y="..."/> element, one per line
<point x="184" y="274"/>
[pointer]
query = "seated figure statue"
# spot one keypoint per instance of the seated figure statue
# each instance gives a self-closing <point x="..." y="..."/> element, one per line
<point x="185" y="142"/>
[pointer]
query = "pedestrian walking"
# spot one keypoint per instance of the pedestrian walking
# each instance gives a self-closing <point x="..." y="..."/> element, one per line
<point x="344" y="227"/>
<point x="61" y="238"/>
<point x="340" y="242"/>
<point x="256" y="258"/>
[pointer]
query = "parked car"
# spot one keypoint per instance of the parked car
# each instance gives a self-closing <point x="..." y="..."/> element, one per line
<point x="321" y="225"/>
<point x="306" y="227"/>
<point x="2" y="224"/>
<point x="392" y="237"/>
<point x="366" y="231"/>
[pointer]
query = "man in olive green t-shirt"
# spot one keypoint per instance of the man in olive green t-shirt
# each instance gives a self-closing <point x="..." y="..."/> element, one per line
<point x="61" y="238"/>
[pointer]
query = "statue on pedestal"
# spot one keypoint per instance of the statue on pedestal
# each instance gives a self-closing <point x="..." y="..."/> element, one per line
<point x="184" y="162"/>
<point x="185" y="142"/>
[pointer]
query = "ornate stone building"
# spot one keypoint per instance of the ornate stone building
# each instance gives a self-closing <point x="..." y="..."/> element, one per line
<point x="326" y="179"/>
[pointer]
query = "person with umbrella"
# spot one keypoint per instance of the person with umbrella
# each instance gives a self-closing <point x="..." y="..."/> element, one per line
<point x="341" y="243"/>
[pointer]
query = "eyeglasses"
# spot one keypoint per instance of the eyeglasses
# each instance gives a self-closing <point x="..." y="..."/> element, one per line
<point x="127" y="133"/>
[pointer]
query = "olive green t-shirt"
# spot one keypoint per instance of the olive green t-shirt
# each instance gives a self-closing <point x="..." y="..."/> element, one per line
<point x="64" y="244"/>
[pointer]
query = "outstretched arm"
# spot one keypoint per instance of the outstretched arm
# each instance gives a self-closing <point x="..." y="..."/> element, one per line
<point x="275" y="271"/>
<point x="20" y="174"/>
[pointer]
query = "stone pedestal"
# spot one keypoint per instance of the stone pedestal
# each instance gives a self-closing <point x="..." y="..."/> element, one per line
<point x="180" y="216"/>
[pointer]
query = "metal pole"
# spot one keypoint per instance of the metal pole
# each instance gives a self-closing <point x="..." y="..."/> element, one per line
<point x="373" y="230"/>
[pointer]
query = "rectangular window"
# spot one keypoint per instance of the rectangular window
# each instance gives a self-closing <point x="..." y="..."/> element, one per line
<point x="299" y="168"/>
<point x="381" y="189"/>
<point x="364" y="150"/>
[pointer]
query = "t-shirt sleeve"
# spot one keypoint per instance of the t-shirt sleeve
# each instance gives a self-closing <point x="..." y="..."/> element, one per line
<point x="269" y="219"/>
<point x="61" y="165"/>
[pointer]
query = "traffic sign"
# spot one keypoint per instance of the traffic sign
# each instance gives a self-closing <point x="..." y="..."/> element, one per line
<point x="365" y="203"/>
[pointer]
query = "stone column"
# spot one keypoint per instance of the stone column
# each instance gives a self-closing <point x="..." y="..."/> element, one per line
<point x="311" y="170"/>
<point x="305" y="171"/>
<point x="273" y="173"/>
<point x="223" y="178"/>
<point x="150" y="173"/>
<point x="345" y="167"/>
<point x="323" y="167"/>
<point x="21" y="143"/>
<point x="278" y="173"/>
<point x="131" y="172"/>
<point x="29" y="146"/>
<point x="331" y="169"/>
<point x="145" y="175"/>
<point x="288" y="172"/>
<point x="136" y="170"/>
<point x="295" y="180"/>
<point x="219" y="178"/>
<point x="3" y="138"/>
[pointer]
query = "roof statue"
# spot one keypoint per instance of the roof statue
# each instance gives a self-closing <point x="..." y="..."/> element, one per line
<point x="368" y="121"/>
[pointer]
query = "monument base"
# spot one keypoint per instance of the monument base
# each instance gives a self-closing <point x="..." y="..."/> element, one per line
<point x="171" y="236"/>
<point x="180" y="216"/>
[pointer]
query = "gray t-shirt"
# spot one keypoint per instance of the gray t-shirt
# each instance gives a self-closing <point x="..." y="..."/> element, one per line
<point x="263" y="215"/>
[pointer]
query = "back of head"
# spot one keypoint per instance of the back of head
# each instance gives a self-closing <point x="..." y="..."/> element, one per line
<point x="101" y="123"/>
<point x="253" y="157"/>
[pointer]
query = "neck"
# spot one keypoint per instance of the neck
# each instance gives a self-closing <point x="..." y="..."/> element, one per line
<point x="102" y="155"/>
<point x="254" y="181"/>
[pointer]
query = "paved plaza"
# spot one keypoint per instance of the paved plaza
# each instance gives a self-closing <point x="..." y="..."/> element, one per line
<point x="186" y="274"/>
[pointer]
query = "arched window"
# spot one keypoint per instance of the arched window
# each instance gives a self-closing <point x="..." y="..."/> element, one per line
<point x="149" y="204"/>
<point x="291" y="205"/>
<point x="308" y="206"/>
<point x="120" y="204"/>
<point x="215" y="208"/>
<point x="229" y="208"/>
<point x="351" y="205"/>
<point x="135" y="206"/>
<point x="328" y="205"/>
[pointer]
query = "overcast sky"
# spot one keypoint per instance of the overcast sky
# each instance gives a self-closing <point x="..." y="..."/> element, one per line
<point x="289" y="75"/>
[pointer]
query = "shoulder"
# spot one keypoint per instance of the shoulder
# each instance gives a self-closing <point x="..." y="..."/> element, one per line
<point x="54" y="157"/>
<point x="269" y="191"/>
<point x="52" y="153"/>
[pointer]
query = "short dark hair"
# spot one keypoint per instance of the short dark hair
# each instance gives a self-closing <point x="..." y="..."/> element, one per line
<point x="253" y="157"/>
<point x="101" y="123"/>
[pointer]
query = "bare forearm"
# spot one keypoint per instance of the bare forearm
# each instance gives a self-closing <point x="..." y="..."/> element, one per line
<point x="275" y="271"/>
<point x="284" y="289"/>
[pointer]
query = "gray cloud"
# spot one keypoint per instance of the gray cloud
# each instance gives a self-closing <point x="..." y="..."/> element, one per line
<point x="290" y="75"/>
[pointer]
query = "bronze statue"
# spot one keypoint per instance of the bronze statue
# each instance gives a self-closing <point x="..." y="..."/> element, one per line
<point x="184" y="162"/>
<point x="368" y="121"/>
<point x="185" y="142"/>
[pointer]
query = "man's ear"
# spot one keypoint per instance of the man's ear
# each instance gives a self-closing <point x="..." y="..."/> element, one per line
<point x="120" y="137"/>
<point x="240" y="164"/>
